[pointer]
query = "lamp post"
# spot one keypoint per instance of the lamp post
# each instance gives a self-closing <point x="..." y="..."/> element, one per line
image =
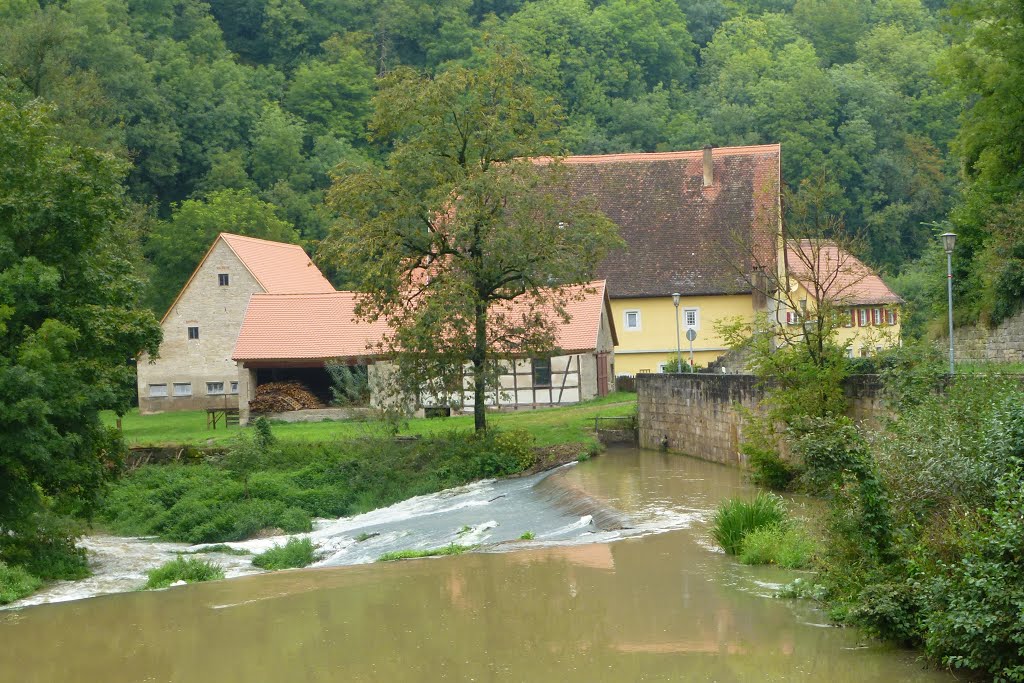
<point x="679" y="346"/>
<point x="948" y="242"/>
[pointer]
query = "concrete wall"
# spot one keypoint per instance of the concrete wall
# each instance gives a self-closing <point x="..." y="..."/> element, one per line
<point x="218" y="312"/>
<point x="1004" y="343"/>
<point x="705" y="415"/>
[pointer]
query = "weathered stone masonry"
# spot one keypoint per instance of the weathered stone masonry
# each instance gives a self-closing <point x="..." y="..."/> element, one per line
<point x="704" y="415"/>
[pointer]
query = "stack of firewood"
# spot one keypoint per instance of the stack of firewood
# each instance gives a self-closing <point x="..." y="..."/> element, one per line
<point x="280" y="397"/>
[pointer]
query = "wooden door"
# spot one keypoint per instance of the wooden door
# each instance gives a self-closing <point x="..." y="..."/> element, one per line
<point x="602" y="374"/>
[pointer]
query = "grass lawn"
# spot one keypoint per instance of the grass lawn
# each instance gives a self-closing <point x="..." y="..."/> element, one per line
<point x="549" y="426"/>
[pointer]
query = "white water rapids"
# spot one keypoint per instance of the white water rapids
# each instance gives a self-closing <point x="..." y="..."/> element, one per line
<point x="490" y="514"/>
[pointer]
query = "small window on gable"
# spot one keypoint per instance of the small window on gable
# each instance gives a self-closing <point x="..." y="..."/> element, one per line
<point x="223" y="279"/>
<point x="193" y="332"/>
<point x="541" y="372"/>
<point x="157" y="390"/>
<point x="234" y="387"/>
<point x="182" y="388"/>
<point x="691" y="318"/>
<point x="215" y="387"/>
<point x="632" y="320"/>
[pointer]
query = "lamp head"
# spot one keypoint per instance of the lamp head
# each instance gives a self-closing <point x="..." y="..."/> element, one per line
<point x="675" y="299"/>
<point x="948" y="241"/>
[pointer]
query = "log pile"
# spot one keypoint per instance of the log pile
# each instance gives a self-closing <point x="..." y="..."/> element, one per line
<point x="281" y="397"/>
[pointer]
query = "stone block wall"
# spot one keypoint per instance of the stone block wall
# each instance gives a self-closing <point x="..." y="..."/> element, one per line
<point x="704" y="415"/>
<point x="1004" y="343"/>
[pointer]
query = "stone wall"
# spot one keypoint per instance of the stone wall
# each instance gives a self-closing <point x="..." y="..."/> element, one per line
<point x="1004" y="343"/>
<point x="704" y="415"/>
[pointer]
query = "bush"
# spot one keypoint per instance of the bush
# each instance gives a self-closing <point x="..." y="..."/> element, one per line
<point x="788" y="546"/>
<point x="830" y="449"/>
<point x="297" y="552"/>
<point x="48" y="549"/>
<point x="16" y="583"/>
<point x="189" y="570"/>
<point x="295" y="520"/>
<point x="737" y="517"/>
<point x="767" y="467"/>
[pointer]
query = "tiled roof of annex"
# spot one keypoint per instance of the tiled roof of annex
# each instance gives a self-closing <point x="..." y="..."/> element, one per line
<point x="680" y="235"/>
<point x="292" y="327"/>
<point x="847" y="280"/>
<point x="280" y="268"/>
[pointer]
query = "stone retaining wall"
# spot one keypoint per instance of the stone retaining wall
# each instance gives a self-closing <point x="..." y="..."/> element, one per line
<point x="978" y="343"/>
<point x="704" y="415"/>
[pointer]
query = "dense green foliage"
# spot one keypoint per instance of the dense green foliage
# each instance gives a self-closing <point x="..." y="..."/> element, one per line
<point x="786" y="545"/>
<point x="209" y="502"/>
<point x="452" y="549"/>
<point x="262" y="98"/>
<point x="736" y="517"/>
<point x="187" y="569"/>
<point x="16" y="583"/>
<point x="297" y="552"/>
<point x="70" y="322"/>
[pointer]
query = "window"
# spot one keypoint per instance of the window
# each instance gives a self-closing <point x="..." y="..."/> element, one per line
<point x="223" y="279"/>
<point x="876" y="316"/>
<point x="662" y="366"/>
<point x="864" y="351"/>
<point x="878" y="349"/>
<point x="215" y="387"/>
<point x="193" y="332"/>
<point x="850" y="322"/>
<point x="541" y="372"/>
<point x="182" y="388"/>
<point x="691" y="318"/>
<point x="234" y="387"/>
<point x="157" y="390"/>
<point x="862" y="317"/>
<point x="890" y="316"/>
<point x="849" y="352"/>
<point x="632" y="320"/>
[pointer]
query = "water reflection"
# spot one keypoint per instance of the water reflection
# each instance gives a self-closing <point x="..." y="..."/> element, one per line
<point x="660" y="607"/>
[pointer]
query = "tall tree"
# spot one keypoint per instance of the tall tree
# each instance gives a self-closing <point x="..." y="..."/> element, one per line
<point x="460" y="221"/>
<point x="70" y="319"/>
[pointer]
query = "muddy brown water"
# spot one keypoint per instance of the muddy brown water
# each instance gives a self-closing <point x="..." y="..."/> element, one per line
<point x="660" y="607"/>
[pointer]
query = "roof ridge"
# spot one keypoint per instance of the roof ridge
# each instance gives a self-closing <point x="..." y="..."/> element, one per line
<point x="669" y="156"/>
<point x="233" y="235"/>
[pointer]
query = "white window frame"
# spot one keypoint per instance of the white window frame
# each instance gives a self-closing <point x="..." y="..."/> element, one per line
<point x="849" y="352"/>
<point x="214" y="384"/>
<point x="890" y="316"/>
<point x="180" y="392"/>
<point x="863" y="319"/>
<point x="154" y="391"/>
<point x="234" y="389"/>
<point x="662" y="366"/>
<point x="696" y="318"/>
<point x="849" y="319"/>
<point x="625" y="320"/>
<point x="188" y="332"/>
<point x="876" y="316"/>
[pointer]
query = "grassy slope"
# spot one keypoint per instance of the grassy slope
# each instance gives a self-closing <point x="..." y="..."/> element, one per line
<point x="549" y="426"/>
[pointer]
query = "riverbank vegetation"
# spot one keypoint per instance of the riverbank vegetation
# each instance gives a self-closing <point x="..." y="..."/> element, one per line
<point x="187" y="569"/>
<point x="296" y="553"/>
<point x="452" y="549"/>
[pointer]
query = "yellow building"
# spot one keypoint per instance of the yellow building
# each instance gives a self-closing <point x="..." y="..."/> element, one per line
<point x="695" y="223"/>
<point x="867" y="313"/>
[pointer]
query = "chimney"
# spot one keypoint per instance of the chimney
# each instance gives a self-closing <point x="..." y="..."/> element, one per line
<point x="709" y="169"/>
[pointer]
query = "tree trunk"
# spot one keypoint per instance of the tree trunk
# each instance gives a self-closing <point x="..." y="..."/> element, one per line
<point x="479" y="367"/>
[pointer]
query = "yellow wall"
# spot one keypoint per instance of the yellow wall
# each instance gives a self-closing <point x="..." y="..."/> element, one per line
<point x="655" y="342"/>
<point x="861" y="340"/>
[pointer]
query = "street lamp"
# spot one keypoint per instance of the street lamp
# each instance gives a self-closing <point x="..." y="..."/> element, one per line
<point x="679" y="346"/>
<point x="948" y="242"/>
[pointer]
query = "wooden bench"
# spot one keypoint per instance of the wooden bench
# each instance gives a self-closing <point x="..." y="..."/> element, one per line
<point x="214" y="415"/>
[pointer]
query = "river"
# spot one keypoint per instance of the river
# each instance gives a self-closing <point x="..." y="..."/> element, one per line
<point x="585" y="601"/>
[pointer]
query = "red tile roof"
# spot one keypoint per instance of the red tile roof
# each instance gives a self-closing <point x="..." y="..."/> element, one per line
<point x="285" y="327"/>
<point x="279" y="268"/>
<point x="846" y="279"/>
<point x="681" y="236"/>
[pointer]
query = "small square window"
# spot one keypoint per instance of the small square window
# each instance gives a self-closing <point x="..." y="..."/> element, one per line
<point x="215" y="387"/>
<point x="223" y="279"/>
<point x="182" y="388"/>
<point x="157" y="390"/>
<point x="234" y="387"/>
<point x="691" y="318"/>
<point x="193" y="332"/>
<point x="632" y="320"/>
<point x="541" y="372"/>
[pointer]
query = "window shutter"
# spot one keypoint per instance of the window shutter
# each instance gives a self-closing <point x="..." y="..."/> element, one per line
<point x="789" y="317"/>
<point x="853" y="319"/>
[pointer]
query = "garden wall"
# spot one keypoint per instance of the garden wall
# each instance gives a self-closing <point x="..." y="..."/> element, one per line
<point x="1004" y="343"/>
<point x="704" y="415"/>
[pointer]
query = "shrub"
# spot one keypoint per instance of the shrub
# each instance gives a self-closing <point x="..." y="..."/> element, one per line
<point x="48" y="549"/>
<point x="295" y="520"/>
<point x="452" y="549"/>
<point x="830" y="448"/>
<point x="527" y="536"/>
<point x="16" y="583"/>
<point x="737" y="517"/>
<point x="787" y="546"/>
<point x="297" y="552"/>
<point x="189" y="570"/>
<point x="767" y="467"/>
